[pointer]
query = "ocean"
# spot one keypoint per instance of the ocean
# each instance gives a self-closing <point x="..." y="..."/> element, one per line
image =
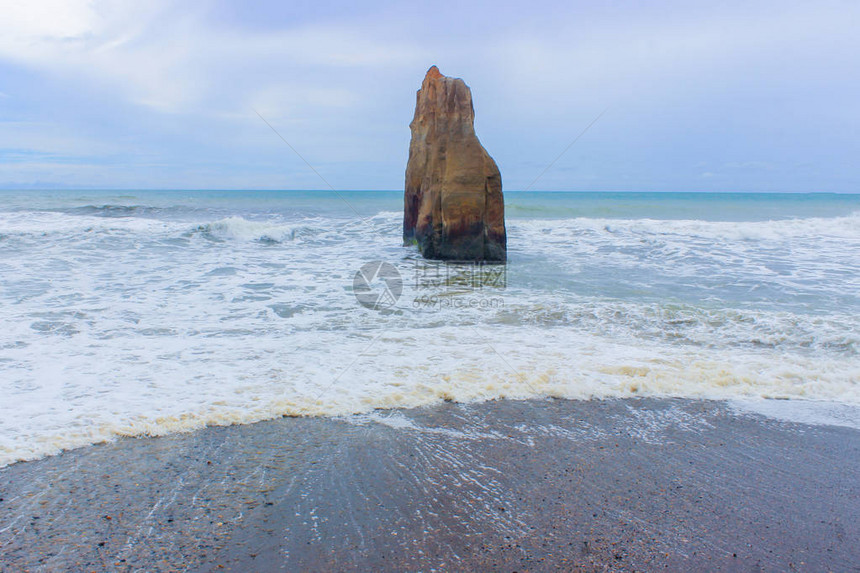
<point x="130" y="313"/>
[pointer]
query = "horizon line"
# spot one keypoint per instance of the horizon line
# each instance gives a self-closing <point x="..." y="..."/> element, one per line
<point x="257" y="190"/>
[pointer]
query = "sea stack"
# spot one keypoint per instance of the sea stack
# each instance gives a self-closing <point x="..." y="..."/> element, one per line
<point x="453" y="205"/>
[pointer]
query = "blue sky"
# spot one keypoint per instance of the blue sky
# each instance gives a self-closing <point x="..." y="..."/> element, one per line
<point x="700" y="96"/>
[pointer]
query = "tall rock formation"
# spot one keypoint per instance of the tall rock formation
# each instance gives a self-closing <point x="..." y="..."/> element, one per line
<point x="454" y="209"/>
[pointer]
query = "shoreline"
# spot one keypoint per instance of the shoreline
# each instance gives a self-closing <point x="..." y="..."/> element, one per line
<point x="535" y="485"/>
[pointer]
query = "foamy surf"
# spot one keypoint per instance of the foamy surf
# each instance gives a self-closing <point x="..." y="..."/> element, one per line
<point x="151" y="320"/>
<point x="242" y="229"/>
<point x="185" y="385"/>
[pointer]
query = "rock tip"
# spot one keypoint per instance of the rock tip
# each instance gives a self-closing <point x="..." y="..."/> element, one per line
<point x="434" y="72"/>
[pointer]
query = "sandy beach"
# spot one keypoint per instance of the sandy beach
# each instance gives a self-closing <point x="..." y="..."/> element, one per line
<point x="541" y="485"/>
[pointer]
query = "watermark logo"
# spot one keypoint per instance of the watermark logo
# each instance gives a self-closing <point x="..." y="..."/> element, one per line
<point x="430" y="275"/>
<point x="441" y="301"/>
<point x="377" y="285"/>
<point x="458" y="286"/>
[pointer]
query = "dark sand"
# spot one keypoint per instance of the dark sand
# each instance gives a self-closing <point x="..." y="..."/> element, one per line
<point x="510" y="486"/>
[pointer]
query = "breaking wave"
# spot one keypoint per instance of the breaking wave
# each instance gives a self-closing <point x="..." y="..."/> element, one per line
<point x="245" y="230"/>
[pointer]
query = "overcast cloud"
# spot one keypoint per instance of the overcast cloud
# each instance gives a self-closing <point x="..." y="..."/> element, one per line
<point x="718" y="96"/>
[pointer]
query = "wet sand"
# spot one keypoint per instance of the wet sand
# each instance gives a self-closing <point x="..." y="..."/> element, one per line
<point x="549" y="485"/>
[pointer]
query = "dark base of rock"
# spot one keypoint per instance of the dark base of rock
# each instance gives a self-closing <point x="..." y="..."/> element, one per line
<point x="465" y="250"/>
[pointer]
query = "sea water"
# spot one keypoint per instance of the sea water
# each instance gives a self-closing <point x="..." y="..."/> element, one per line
<point x="126" y="313"/>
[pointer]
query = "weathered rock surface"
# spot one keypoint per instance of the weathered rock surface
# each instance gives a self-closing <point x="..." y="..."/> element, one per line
<point x="454" y="208"/>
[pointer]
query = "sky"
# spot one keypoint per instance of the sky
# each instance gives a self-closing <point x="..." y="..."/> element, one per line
<point x="730" y="96"/>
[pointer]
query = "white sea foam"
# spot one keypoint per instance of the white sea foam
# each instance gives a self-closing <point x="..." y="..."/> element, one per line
<point x="243" y="229"/>
<point x="51" y="224"/>
<point x="167" y="384"/>
<point x="823" y="412"/>
<point x="135" y="326"/>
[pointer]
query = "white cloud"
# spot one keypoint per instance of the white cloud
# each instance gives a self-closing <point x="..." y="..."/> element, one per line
<point x="342" y="90"/>
<point x="170" y="57"/>
<point x="28" y="22"/>
<point x="673" y="53"/>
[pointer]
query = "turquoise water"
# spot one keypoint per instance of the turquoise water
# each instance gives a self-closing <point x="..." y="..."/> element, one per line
<point x="700" y="206"/>
<point x="519" y="204"/>
<point x="150" y="312"/>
